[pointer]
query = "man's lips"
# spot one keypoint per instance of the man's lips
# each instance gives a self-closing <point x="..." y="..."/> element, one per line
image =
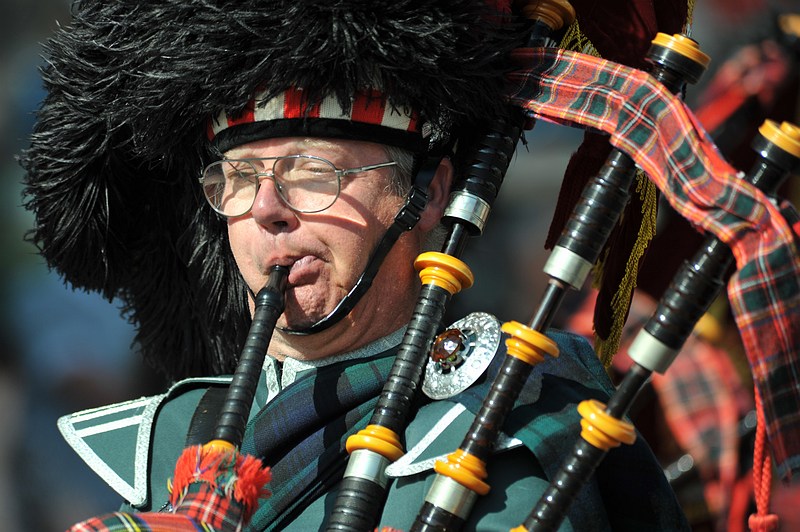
<point x="301" y="269"/>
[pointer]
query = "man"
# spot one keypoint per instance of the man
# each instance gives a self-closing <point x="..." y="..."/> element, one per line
<point x="312" y="130"/>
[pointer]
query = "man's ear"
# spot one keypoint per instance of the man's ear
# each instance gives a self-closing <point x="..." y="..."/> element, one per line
<point x="438" y="195"/>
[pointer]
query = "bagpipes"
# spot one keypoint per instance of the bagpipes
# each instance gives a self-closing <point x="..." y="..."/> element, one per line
<point x="460" y="480"/>
<point x="757" y="81"/>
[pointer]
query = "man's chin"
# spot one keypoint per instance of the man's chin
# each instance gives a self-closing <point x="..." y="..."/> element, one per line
<point x="297" y="324"/>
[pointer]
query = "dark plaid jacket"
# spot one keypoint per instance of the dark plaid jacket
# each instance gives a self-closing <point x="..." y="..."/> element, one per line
<point x="628" y="491"/>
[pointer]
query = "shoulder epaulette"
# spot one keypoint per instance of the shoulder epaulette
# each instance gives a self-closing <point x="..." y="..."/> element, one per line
<point x="115" y="440"/>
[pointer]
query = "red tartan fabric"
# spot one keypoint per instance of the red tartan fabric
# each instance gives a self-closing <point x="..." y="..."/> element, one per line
<point x="703" y="400"/>
<point x="218" y="486"/>
<point x="661" y="135"/>
<point x="202" y="508"/>
<point x="150" y="522"/>
<point x="214" y="489"/>
<point x="211" y="508"/>
<point x="701" y="396"/>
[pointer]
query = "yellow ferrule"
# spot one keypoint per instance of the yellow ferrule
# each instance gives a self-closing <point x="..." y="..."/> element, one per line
<point x="219" y="445"/>
<point x="786" y="135"/>
<point x="444" y="271"/>
<point x="528" y="345"/>
<point x="683" y="45"/>
<point x="555" y="13"/>
<point x="377" y="439"/>
<point x="465" y="469"/>
<point x="602" y="430"/>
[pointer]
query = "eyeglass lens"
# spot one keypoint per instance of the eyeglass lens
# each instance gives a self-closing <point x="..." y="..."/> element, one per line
<point x="306" y="184"/>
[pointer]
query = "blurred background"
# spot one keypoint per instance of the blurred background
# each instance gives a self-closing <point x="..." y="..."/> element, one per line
<point x="62" y="350"/>
<point x="65" y="350"/>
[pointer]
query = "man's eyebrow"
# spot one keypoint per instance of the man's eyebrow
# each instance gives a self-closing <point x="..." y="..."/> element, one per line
<point x="312" y="142"/>
<point x="300" y="146"/>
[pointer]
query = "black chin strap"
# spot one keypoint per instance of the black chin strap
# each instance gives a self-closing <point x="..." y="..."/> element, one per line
<point x="404" y="220"/>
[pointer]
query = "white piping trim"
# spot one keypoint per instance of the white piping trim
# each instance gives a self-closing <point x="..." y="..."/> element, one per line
<point x="107" y="427"/>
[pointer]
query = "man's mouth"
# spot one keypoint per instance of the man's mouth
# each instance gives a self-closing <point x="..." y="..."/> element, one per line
<point x="301" y="270"/>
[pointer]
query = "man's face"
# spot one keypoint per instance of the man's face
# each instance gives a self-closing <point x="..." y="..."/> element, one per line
<point x="328" y="250"/>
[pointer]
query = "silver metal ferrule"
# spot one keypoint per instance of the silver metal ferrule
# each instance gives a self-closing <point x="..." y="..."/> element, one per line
<point x="450" y="496"/>
<point x="468" y="207"/>
<point x="650" y="353"/>
<point x="368" y="465"/>
<point x="568" y="267"/>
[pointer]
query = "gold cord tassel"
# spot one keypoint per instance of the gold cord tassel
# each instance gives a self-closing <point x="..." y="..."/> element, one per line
<point x="607" y="348"/>
<point x="575" y="40"/>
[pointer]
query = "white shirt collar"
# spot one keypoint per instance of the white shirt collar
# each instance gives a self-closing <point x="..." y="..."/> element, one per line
<point x="278" y="380"/>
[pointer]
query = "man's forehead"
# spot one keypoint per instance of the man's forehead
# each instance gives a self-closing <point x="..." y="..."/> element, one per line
<point x="299" y="145"/>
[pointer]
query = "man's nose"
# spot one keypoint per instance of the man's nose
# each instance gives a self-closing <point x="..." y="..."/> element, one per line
<point x="269" y="209"/>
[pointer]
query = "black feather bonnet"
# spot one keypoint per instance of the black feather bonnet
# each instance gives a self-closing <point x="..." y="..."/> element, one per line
<point x="111" y="173"/>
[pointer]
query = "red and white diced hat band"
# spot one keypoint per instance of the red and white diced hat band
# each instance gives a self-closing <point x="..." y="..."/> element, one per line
<point x="369" y="118"/>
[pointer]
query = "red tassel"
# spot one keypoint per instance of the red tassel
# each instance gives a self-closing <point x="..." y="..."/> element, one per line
<point x="251" y="486"/>
<point x="762" y="521"/>
<point x="242" y="478"/>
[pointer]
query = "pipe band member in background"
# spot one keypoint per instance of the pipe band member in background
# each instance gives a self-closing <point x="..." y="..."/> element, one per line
<point x="184" y="148"/>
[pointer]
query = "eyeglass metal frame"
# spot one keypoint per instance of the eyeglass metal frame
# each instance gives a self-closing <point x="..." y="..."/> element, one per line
<point x="339" y="172"/>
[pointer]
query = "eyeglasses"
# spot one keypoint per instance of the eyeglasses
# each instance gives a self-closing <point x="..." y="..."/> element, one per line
<point x="305" y="183"/>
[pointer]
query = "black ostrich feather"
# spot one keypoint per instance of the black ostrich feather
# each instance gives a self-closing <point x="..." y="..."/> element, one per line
<point x="120" y="139"/>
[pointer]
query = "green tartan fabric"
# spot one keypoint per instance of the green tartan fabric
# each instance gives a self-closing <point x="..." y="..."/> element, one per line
<point x="301" y="435"/>
<point x="660" y="134"/>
